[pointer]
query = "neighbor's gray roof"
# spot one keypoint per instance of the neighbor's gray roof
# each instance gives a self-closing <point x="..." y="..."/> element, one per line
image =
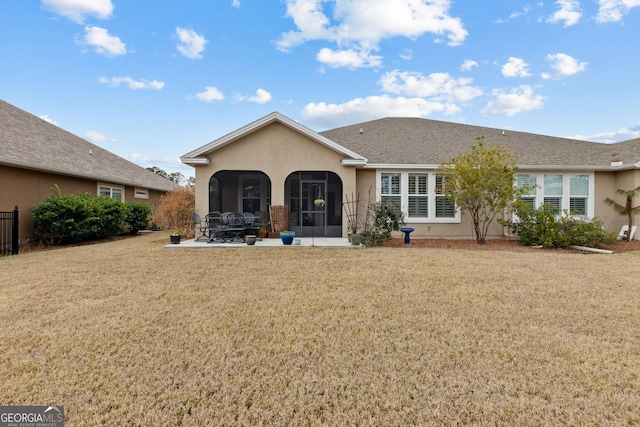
<point x="415" y="141"/>
<point x="27" y="141"/>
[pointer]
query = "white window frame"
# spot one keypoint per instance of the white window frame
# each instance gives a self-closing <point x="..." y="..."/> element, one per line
<point x="419" y="193"/>
<point x="110" y="188"/>
<point x="141" y="193"/>
<point x="533" y="192"/>
<point x="404" y="196"/>
<point x="566" y="191"/>
<point x="588" y="197"/>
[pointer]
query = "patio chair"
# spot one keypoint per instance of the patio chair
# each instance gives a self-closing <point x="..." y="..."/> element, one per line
<point x="217" y="228"/>
<point x="261" y="219"/>
<point x="202" y="226"/>
<point x="249" y="219"/>
<point x="235" y="227"/>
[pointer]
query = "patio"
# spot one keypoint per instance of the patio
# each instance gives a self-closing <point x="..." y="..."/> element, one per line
<point x="268" y="243"/>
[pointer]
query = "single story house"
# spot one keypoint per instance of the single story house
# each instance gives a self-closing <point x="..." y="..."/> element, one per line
<point x="36" y="155"/>
<point x="277" y="161"/>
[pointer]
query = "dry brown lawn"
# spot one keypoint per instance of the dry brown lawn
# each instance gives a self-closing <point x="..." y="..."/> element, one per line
<point x="129" y="333"/>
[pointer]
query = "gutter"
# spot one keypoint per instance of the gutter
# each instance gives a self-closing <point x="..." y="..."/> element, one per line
<point x="581" y="168"/>
<point x="195" y="160"/>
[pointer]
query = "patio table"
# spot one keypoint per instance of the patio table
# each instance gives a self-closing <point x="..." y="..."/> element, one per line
<point x="229" y="226"/>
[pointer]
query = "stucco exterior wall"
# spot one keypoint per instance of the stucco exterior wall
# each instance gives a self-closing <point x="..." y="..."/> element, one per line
<point x="366" y="187"/>
<point x="606" y="185"/>
<point x="277" y="151"/>
<point x="27" y="188"/>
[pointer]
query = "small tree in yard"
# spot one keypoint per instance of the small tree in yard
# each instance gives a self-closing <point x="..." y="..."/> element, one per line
<point x="627" y="209"/>
<point x="481" y="182"/>
<point x="175" y="212"/>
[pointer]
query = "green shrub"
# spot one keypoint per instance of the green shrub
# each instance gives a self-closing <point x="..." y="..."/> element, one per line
<point x="110" y="213"/>
<point x="70" y="219"/>
<point x="543" y="227"/>
<point x="386" y="218"/>
<point x="137" y="216"/>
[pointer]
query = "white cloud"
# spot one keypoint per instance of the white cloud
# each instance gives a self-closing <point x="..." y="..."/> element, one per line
<point x="210" y="94"/>
<point x="133" y="84"/>
<point x="515" y="67"/>
<point x="569" y="13"/>
<point x="565" y="65"/>
<point x="312" y="24"/>
<point x="468" y="64"/>
<point x="190" y="43"/>
<point x="348" y="58"/>
<point x="96" y="136"/>
<point x="261" y="97"/>
<point x="406" y="54"/>
<point x="357" y="26"/>
<point x="102" y="42"/>
<point x="515" y="101"/>
<point x="614" y="10"/>
<point x="438" y="86"/>
<point x="235" y="3"/>
<point x="623" y="134"/>
<point x="373" y="107"/>
<point x="77" y="10"/>
<point x="514" y="15"/>
<point x="49" y="120"/>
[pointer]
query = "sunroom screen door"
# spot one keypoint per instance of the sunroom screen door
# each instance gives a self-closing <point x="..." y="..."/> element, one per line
<point x="313" y="213"/>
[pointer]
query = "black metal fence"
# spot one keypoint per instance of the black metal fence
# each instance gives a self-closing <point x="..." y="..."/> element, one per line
<point x="9" y="243"/>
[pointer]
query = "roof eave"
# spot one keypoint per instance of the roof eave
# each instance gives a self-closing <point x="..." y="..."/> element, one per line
<point x="265" y="121"/>
<point x="596" y="168"/>
<point x="195" y="161"/>
<point x="92" y="177"/>
<point x="400" y="166"/>
<point x="354" y="162"/>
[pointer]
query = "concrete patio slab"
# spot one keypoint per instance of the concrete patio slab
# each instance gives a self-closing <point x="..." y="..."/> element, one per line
<point x="268" y="243"/>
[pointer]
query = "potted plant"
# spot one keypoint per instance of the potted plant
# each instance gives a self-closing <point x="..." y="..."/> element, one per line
<point x="356" y="239"/>
<point x="262" y="232"/>
<point x="287" y="237"/>
<point x="319" y="200"/>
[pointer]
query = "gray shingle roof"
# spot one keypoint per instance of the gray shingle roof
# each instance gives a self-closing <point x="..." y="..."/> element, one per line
<point x="627" y="150"/>
<point x="29" y="142"/>
<point x="415" y="141"/>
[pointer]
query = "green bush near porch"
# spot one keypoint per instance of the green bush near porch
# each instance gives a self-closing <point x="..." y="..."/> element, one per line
<point x="543" y="227"/>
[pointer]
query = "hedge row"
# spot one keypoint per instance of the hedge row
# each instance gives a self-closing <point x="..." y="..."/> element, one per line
<point x="60" y="220"/>
<point x="544" y="226"/>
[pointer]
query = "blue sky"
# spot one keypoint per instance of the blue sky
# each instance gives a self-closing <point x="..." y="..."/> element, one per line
<point x="151" y="81"/>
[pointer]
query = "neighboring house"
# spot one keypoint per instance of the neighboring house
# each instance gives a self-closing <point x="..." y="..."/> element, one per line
<point x="36" y="155"/>
<point x="277" y="161"/>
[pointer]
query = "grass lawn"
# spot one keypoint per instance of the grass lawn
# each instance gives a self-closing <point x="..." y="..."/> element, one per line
<point x="129" y="333"/>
